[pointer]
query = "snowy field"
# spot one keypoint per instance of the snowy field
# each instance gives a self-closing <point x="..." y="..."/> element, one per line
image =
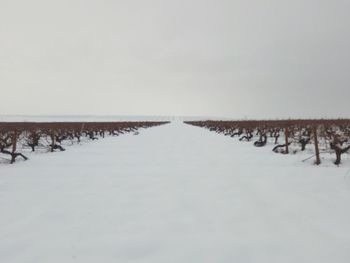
<point x="174" y="193"/>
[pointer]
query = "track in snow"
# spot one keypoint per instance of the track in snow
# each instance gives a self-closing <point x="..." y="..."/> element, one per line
<point x="175" y="193"/>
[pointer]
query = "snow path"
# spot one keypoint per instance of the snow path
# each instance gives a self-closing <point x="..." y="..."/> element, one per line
<point x="174" y="193"/>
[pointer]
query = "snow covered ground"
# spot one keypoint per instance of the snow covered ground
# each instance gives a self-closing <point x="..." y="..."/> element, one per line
<point x="174" y="193"/>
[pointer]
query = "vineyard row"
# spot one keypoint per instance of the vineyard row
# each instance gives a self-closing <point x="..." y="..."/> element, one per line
<point x="51" y="136"/>
<point x="324" y="135"/>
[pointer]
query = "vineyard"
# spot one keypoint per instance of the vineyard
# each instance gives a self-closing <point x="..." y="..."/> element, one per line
<point x="288" y="136"/>
<point x="19" y="138"/>
<point x="175" y="192"/>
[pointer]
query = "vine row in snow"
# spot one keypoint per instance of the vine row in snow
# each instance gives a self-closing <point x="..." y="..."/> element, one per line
<point x="16" y="138"/>
<point x="332" y="135"/>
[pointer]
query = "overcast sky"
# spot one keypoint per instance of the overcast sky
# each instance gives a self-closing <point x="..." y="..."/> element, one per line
<point x="234" y="58"/>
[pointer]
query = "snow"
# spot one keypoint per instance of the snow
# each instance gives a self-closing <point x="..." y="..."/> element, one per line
<point x="174" y="193"/>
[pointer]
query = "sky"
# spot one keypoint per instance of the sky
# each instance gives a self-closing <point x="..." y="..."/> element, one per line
<point x="223" y="58"/>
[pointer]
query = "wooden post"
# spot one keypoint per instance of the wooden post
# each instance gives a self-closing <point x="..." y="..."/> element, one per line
<point x="317" y="150"/>
<point x="14" y="147"/>
<point x="286" y="134"/>
<point x="52" y="140"/>
<point x="14" y="142"/>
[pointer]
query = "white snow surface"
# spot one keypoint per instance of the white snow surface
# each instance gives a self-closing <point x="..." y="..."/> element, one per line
<point x="174" y="193"/>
